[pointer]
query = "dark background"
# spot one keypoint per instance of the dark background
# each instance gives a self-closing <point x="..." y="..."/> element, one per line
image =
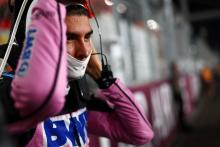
<point x="204" y="16"/>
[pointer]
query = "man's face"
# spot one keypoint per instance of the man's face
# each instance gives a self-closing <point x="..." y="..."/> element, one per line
<point x="79" y="34"/>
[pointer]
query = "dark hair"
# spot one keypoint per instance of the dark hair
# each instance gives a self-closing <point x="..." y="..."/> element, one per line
<point x="76" y="9"/>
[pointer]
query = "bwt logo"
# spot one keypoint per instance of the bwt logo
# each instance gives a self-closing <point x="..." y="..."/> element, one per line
<point x="26" y="54"/>
<point x="61" y="132"/>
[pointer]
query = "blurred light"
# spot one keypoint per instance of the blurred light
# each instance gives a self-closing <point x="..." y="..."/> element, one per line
<point x="109" y="2"/>
<point x="121" y="8"/>
<point x="153" y="25"/>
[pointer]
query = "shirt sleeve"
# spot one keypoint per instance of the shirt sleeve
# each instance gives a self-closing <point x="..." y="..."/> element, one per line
<point x="38" y="89"/>
<point x="127" y="123"/>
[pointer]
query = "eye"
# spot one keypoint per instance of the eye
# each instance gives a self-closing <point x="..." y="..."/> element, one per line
<point x="70" y="36"/>
<point x="88" y="36"/>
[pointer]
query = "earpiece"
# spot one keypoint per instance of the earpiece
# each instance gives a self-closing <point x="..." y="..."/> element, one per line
<point x="106" y="68"/>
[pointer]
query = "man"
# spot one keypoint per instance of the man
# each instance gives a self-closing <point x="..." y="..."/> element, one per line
<point x="39" y="84"/>
<point x="177" y="96"/>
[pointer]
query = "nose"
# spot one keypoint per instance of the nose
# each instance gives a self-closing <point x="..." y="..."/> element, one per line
<point x="83" y="50"/>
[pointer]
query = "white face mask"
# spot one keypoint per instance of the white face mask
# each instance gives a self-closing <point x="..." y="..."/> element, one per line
<point x="76" y="68"/>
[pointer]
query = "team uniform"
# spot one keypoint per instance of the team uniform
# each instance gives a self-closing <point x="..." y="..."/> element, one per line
<point x="61" y="112"/>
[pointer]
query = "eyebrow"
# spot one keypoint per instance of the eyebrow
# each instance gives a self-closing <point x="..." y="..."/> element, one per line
<point x="71" y="35"/>
<point x="89" y="33"/>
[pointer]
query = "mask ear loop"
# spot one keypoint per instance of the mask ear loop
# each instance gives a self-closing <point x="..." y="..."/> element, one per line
<point x="12" y="38"/>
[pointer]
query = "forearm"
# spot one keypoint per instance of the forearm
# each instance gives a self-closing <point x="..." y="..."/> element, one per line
<point x="127" y="123"/>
